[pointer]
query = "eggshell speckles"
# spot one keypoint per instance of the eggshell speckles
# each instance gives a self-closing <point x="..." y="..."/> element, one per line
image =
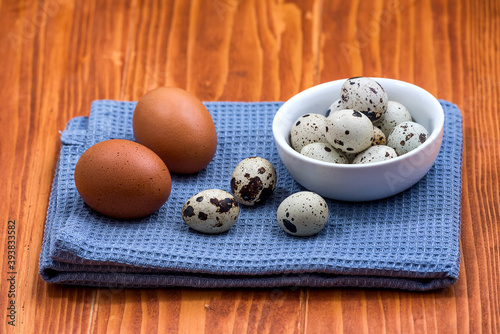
<point x="406" y="137"/>
<point x="324" y="152"/>
<point x="211" y="211"/>
<point x="378" y="137"/>
<point x="365" y="95"/>
<point x="309" y="128"/>
<point x="375" y="154"/>
<point x="253" y="180"/>
<point x="122" y="179"/>
<point x="395" y="114"/>
<point x="302" y="214"/>
<point x="349" y="131"/>
<point x="178" y="127"/>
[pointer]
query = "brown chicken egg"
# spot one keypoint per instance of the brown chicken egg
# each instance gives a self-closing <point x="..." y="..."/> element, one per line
<point x="178" y="127"/>
<point x="122" y="179"/>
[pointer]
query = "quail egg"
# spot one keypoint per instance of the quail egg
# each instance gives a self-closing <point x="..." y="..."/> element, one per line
<point x="374" y="154"/>
<point x="378" y="137"/>
<point x="396" y="113"/>
<point x="253" y="180"/>
<point x="349" y="131"/>
<point x="211" y="211"/>
<point x="302" y="214"/>
<point x="309" y="128"/>
<point x="365" y="95"/>
<point x="335" y="106"/>
<point x="324" y="152"/>
<point x="406" y="137"/>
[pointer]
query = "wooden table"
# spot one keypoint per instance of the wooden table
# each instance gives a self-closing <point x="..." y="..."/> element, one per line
<point x="57" y="56"/>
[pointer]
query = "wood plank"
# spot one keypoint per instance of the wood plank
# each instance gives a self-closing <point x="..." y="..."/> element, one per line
<point x="197" y="310"/>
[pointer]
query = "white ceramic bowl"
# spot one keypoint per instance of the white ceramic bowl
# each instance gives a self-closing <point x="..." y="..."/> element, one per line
<point x="360" y="182"/>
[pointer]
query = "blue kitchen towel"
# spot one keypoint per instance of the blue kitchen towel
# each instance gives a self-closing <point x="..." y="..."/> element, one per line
<point x="409" y="241"/>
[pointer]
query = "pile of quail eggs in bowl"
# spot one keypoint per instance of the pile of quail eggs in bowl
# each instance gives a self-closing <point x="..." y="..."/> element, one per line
<point x="359" y="139"/>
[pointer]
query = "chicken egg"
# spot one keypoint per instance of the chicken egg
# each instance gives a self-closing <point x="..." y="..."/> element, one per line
<point x="122" y="179"/>
<point x="178" y="127"/>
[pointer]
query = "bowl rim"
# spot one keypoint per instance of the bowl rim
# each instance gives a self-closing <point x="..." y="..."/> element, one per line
<point x="431" y="140"/>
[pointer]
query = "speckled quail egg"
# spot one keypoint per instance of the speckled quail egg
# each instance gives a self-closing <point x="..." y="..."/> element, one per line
<point x="349" y="131"/>
<point x="335" y="106"/>
<point x="374" y="154"/>
<point x="396" y="113"/>
<point x="211" y="211"/>
<point x="365" y="95"/>
<point x="324" y="152"/>
<point x="406" y="137"/>
<point x="378" y="137"/>
<point x="302" y="214"/>
<point x="309" y="128"/>
<point x="253" y="180"/>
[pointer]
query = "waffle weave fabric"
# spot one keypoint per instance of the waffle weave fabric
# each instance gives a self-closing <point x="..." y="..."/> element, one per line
<point x="409" y="241"/>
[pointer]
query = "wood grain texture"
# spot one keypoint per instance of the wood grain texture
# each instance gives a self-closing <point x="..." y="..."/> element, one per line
<point x="59" y="55"/>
